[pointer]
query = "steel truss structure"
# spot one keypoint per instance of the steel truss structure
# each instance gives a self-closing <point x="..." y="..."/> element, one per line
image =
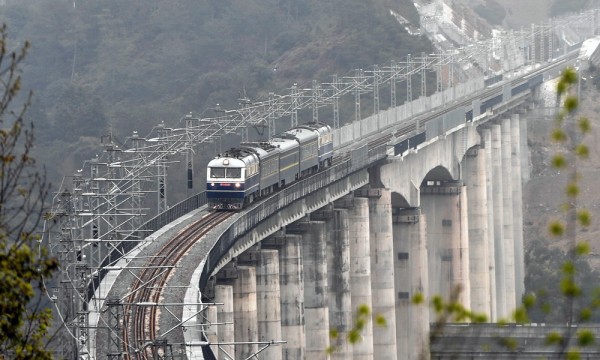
<point x="102" y="205"/>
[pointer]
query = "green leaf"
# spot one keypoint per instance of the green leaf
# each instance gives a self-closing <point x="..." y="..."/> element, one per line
<point x="582" y="151"/>
<point x="572" y="189"/>
<point x="479" y="318"/>
<point x="418" y="298"/>
<point x="363" y="310"/>
<point x="561" y="87"/>
<point x="556" y="228"/>
<point x="568" y="268"/>
<point x="585" y="126"/>
<point x="554" y="338"/>
<point x="520" y="315"/>
<point x="569" y="288"/>
<point x="529" y="301"/>
<point x="571" y="103"/>
<point x="360" y="323"/>
<point x="509" y="343"/>
<point x="546" y="308"/>
<point x="558" y="135"/>
<point x="380" y="320"/>
<point x="559" y="161"/>
<point x="573" y="354"/>
<point x="569" y="76"/>
<point x="584" y="217"/>
<point x="438" y="304"/>
<point x="585" y="314"/>
<point x="582" y="248"/>
<point x="354" y="336"/>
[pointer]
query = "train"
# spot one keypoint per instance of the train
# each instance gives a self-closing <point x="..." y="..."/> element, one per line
<point x="253" y="170"/>
<point x="243" y="174"/>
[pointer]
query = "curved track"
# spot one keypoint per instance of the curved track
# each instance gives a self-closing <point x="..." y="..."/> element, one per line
<point x="141" y="311"/>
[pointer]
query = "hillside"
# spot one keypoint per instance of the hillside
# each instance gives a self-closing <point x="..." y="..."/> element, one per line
<point x="117" y="66"/>
<point x="517" y="14"/>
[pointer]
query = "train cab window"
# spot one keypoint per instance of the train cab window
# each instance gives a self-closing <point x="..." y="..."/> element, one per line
<point x="234" y="173"/>
<point x="217" y="172"/>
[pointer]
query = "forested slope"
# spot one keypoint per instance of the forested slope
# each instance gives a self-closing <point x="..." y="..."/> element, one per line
<point x="117" y="66"/>
<point x="113" y="65"/>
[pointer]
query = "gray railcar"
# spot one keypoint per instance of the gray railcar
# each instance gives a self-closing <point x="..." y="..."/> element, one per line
<point x="269" y="164"/>
<point x="325" y="145"/>
<point x="289" y="160"/>
<point x="309" y="147"/>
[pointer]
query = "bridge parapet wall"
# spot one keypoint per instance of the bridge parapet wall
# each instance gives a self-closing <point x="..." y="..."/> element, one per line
<point x="394" y="116"/>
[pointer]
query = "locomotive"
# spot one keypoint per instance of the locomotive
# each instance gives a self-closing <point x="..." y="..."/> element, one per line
<point x="255" y="169"/>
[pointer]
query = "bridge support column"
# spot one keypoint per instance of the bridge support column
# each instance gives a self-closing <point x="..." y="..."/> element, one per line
<point x="291" y="286"/>
<point x="225" y="329"/>
<point x="445" y="207"/>
<point x="475" y="180"/>
<point x="338" y="271"/>
<point x="360" y="271"/>
<point x="524" y="150"/>
<point x="316" y="311"/>
<point x="508" y="219"/>
<point x="268" y="301"/>
<point x="411" y="273"/>
<point x="499" y="244"/>
<point x="244" y="304"/>
<point x="489" y="191"/>
<point x="517" y="183"/>
<point x="382" y="273"/>
<point x="211" y="328"/>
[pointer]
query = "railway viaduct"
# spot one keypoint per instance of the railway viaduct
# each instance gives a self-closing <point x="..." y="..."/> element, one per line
<point x="423" y="198"/>
<point x="422" y="204"/>
<point x="439" y="217"/>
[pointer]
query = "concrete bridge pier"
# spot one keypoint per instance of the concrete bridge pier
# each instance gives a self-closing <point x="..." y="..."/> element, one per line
<point x="517" y="186"/>
<point x="316" y="308"/>
<point x="245" y="315"/>
<point x="497" y="203"/>
<point x="360" y="269"/>
<point x="486" y="135"/>
<point x="508" y="218"/>
<point x="411" y="273"/>
<point x="225" y="329"/>
<point x="444" y="206"/>
<point x="211" y="328"/>
<point x="524" y="148"/>
<point x="291" y="285"/>
<point x="338" y="272"/>
<point x="479" y="272"/>
<point x="382" y="273"/>
<point x="268" y="301"/>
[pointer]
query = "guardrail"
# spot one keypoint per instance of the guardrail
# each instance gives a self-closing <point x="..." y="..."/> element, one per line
<point x="150" y="226"/>
<point x="284" y="198"/>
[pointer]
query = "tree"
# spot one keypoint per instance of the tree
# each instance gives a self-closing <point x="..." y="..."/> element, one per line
<point x="570" y="131"/>
<point x="23" y="261"/>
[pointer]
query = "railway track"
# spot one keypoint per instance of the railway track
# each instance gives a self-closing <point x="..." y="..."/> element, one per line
<point x="141" y="313"/>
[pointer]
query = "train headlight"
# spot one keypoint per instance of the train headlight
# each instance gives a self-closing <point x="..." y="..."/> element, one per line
<point x="237" y="185"/>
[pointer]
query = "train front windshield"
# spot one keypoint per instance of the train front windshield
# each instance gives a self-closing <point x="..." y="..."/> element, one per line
<point x="226" y="173"/>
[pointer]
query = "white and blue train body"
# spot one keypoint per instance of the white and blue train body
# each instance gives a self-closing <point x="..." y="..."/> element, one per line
<point x="240" y="175"/>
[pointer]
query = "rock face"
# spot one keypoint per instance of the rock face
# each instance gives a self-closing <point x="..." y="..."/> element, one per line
<point x="544" y="193"/>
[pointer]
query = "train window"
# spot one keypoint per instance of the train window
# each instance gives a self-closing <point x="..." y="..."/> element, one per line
<point x="235" y="173"/>
<point x="217" y="172"/>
